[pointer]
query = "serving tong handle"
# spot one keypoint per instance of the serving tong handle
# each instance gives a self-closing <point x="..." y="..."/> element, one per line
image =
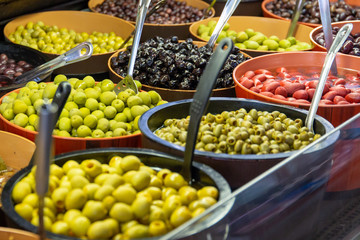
<point x="201" y="101"/>
<point x="156" y="7"/>
<point x="39" y="73"/>
<point x="324" y="8"/>
<point x="226" y="13"/>
<point x="128" y="81"/>
<point x="295" y="17"/>
<point x="330" y="56"/>
<point x="72" y="56"/>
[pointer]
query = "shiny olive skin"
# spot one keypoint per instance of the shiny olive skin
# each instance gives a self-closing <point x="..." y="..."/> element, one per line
<point x="121" y="198"/>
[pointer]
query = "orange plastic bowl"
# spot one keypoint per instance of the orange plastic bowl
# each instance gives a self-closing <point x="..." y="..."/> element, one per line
<point x="267" y="13"/>
<point x="68" y="144"/>
<point x="164" y="30"/>
<point x="174" y="94"/>
<point x="78" y="21"/>
<point x="336" y="114"/>
<point x="315" y="31"/>
<point x="265" y="25"/>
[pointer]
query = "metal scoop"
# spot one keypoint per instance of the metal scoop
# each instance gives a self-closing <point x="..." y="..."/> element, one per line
<point x="156" y="7"/>
<point x="128" y="81"/>
<point x="39" y="73"/>
<point x="295" y="17"/>
<point x="330" y="56"/>
<point x="201" y="98"/>
<point x="226" y="13"/>
<point x="326" y="26"/>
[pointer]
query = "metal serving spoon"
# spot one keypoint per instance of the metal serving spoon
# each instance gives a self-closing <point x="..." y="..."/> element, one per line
<point x="39" y="73"/>
<point x="201" y="100"/>
<point x="326" y="26"/>
<point x="128" y="81"/>
<point x="339" y="40"/>
<point x="156" y="7"/>
<point x="226" y="13"/>
<point x="295" y="17"/>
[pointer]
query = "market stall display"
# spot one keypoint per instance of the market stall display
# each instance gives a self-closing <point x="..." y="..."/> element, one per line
<point x="278" y="170"/>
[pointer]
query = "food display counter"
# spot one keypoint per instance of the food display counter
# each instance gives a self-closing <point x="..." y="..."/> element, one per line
<point x="304" y="187"/>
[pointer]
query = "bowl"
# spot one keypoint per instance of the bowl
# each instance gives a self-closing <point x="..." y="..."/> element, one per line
<point x="78" y="21"/>
<point x="16" y="234"/>
<point x="18" y="53"/>
<point x="203" y="175"/>
<point x="163" y="30"/>
<point x="68" y="144"/>
<point x="267" y="13"/>
<point x="174" y="94"/>
<point x="14" y="156"/>
<point x="267" y="26"/>
<point x="336" y="114"/>
<point x="237" y="169"/>
<point x="315" y="31"/>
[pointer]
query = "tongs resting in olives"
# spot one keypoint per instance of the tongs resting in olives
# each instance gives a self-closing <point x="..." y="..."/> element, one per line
<point x="201" y="100"/>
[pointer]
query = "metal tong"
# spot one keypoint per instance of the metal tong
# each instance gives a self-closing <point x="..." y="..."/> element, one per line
<point x="156" y="7"/>
<point x="128" y="81"/>
<point x="228" y="10"/>
<point x="324" y="8"/>
<point x="39" y="73"/>
<point x="329" y="59"/>
<point x="201" y="101"/>
<point x="295" y="17"/>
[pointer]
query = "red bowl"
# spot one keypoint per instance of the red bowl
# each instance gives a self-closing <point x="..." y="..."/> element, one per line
<point x="336" y="114"/>
<point x="69" y="144"/>
<point x="315" y="31"/>
<point x="267" y="13"/>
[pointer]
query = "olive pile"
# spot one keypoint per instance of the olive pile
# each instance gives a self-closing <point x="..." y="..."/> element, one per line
<point x="123" y="199"/>
<point x="339" y="10"/>
<point x="242" y="132"/>
<point x="251" y="39"/>
<point x="351" y="45"/>
<point x="55" y="40"/>
<point x="92" y="109"/>
<point x="12" y="69"/>
<point x="168" y="63"/>
<point x="173" y="12"/>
